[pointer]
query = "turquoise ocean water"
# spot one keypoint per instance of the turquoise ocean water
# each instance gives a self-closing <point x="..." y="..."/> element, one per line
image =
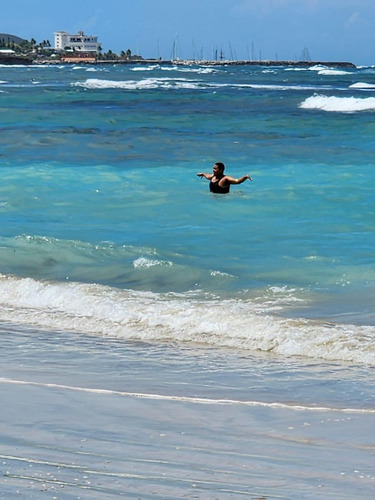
<point x="107" y="234"/>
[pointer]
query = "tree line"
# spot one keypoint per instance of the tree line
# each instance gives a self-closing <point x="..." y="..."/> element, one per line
<point x="44" y="48"/>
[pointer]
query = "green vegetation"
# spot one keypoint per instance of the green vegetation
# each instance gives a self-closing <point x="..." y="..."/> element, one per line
<point x="25" y="47"/>
<point x="44" y="50"/>
<point x="112" y="56"/>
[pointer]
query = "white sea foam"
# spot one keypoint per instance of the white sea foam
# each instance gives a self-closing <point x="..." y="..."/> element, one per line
<point x="296" y="69"/>
<point x="317" y="67"/>
<point x="362" y="85"/>
<point x="182" y="69"/>
<point x="339" y="104"/>
<point x="200" y="71"/>
<point x="188" y="399"/>
<point x="147" y="83"/>
<point x="182" y="83"/>
<point x="325" y="70"/>
<point x="12" y="66"/>
<point x="146" y="263"/>
<point x="152" y="67"/>
<point x="239" y="324"/>
<point x="169" y="68"/>
<point x="283" y="87"/>
<point x="265" y="86"/>
<point x="220" y="274"/>
<point x="333" y="72"/>
<point x="188" y="69"/>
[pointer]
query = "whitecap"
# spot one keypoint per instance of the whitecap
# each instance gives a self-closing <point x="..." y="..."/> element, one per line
<point x="296" y="69"/>
<point x="200" y="71"/>
<point x="94" y="83"/>
<point x="333" y="72"/>
<point x="145" y="68"/>
<point x="147" y="83"/>
<point x="317" y="67"/>
<point x="361" y="85"/>
<point x="339" y="104"/>
<point x="169" y="68"/>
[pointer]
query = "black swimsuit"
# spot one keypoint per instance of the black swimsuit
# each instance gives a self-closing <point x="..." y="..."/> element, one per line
<point x="215" y="188"/>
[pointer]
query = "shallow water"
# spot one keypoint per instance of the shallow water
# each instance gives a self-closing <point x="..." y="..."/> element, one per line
<point x="127" y="288"/>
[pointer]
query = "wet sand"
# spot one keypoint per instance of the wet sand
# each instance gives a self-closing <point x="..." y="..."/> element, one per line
<point x="85" y="431"/>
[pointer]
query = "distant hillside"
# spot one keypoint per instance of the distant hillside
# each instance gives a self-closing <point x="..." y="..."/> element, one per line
<point x="6" y="38"/>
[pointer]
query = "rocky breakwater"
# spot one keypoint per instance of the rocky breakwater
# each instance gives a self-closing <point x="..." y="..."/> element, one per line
<point x="14" y="59"/>
<point x="301" y="64"/>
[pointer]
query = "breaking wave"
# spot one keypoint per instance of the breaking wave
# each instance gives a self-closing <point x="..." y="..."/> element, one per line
<point x="133" y="315"/>
<point x="363" y="86"/>
<point x="184" y="83"/>
<point x="339" y="104"/>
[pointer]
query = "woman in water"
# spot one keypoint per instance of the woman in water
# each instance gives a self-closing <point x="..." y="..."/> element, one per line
<point x="220" y="183"/>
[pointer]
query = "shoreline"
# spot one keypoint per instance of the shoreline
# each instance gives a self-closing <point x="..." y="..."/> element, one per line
<point x="90" y="419"/>
<point x="339" y="64"/>
<point x="16" y="60"/>
<point x="192" y="62"/>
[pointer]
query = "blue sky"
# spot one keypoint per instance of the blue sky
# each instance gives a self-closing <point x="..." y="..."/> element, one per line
<point x="335" y="30"/>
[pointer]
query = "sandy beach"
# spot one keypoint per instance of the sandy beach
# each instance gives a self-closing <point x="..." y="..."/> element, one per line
<point x="68" y="433"/>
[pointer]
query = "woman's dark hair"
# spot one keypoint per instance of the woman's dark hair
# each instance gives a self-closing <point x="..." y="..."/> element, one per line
<point x="220" y="165"/>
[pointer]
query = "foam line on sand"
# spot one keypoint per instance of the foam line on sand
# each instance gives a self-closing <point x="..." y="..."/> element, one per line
<point x="187" y="399"/>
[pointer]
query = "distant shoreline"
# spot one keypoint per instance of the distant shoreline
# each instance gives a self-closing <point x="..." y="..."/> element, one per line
<point x="339" y="64"/>
<point x="190" y="62"/>
<point x="13" y="60"/>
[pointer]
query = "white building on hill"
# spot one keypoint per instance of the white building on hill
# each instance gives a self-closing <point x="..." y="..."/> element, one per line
<point x="79" y="42"/>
